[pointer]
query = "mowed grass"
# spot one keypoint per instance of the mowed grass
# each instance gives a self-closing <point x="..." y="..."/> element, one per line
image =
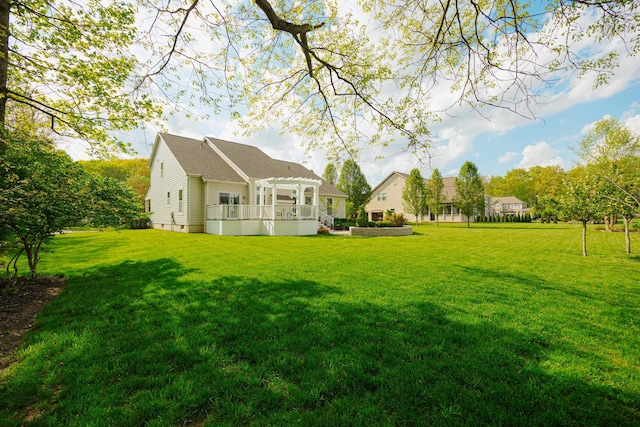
<point x="499" y="324"/>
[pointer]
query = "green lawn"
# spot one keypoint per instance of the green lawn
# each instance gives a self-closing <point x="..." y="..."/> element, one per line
<point x="501" y="324"/>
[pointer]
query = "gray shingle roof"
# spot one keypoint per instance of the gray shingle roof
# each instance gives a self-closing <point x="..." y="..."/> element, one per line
<point x="197" y="158"/>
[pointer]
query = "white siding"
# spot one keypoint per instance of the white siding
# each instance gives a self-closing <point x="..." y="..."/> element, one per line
<point x="213" y="188"/>
<point x="339" y="204"/>
<point x="195" y="203"/>
<point x="173" y="178"/>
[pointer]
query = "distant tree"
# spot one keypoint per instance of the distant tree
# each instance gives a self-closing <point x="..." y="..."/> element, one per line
<point x="495" y="186"/>
<point x="469" y="196"/>
<point x="42" y="191"/>
<point x="602" y="149"/>
<point x="330" y="173"/>
<point x="354" y="184"/>
<point x="435" y="195"/>
<point x="582" y="201"/>
<point x="622" y="193"/>
<point x="132" y="172"/>
<point x="548" y="186"/>
<point x="414" y="194"/>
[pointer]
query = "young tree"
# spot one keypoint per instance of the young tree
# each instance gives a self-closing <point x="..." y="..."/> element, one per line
<point x="622" y="193"/>
<point x="132" y="172"/>
<point x="331" y="173"/>
<point x="354" y="184"/>
<point x="414" y="194"/>
<point x="582" y="201"/>
<point x="603" y="149"/>
<point x="469" y="196"/>
<point x="435" y="195"/>
<point x="42" y="191"/>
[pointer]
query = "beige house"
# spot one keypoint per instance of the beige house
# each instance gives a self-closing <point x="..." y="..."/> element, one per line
<point x="508" y="205"/>
<point x="222" y="187"/>
<point x="388" y="196"/>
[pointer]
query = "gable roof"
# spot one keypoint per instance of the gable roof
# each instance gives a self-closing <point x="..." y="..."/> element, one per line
<point x="400" y="174"/>
<point x="507" y="199"/>
<point x="197" y="158"/>
<point x="449" y="190"/>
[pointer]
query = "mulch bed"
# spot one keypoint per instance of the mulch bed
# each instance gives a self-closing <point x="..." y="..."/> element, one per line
<point x="19" y="305"/>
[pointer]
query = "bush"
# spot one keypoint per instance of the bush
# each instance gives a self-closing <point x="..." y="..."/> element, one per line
<point x="140" y="223"/>
<point x="399" y="220"/>
<point x="362" y="220"/>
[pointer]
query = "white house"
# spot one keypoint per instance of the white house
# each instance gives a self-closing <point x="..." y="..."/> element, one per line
<point x="222" y="187"/>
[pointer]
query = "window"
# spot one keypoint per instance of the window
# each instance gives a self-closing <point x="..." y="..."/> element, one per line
<point x="329" y="205"/>
<point x="161" y="169"/>
<point x="168" y="198"/>
<point x="225" y="198"/>
<point x="382" y="196"/>
<point x="180" y="200"/>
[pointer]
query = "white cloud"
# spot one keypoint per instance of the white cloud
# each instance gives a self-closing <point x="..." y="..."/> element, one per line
<point x="507" y="157"/>
<point x="540" y="154"/>
<point x="633" y="123"/>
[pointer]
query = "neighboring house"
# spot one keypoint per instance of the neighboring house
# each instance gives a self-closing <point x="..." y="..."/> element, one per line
<point x="388" y="196"/>
<point x="508" y="205"/>
<point x="221" y="187"/>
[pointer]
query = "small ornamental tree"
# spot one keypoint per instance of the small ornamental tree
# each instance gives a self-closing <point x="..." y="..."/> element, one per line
<point x="469" y="191"/>
<point x="435" y="195"/>
<point x="362" y="220"/>
<point x="582" y="202"/>
<point x="42" y="191"/>
<point x="414" y="194"/>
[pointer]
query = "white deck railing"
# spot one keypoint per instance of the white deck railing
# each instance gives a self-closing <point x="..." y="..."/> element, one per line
<point x="326" y="219"/>
<point x="270" y="212"/>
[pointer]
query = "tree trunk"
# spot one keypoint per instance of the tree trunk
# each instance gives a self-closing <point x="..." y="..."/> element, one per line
<point x="610" y="222"/>
<point x="584" y="238"/>
<point x="5" y="9"/>
<point x="4" y="65"/>
<point x="627" y="238"/>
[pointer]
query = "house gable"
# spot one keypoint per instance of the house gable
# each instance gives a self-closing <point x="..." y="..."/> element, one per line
<point x="167" y="194"/>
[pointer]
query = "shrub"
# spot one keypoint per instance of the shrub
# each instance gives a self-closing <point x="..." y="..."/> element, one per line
<point x="362" y="220"/>
<point x="140" y="223"/>
<point x="388" y="215"/>
<point x="399" y="220"/>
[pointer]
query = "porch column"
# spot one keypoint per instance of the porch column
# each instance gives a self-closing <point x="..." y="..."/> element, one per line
<point x="300" y="201"/>
<point x="316" y="202"/>
<point x="274" y="197"/>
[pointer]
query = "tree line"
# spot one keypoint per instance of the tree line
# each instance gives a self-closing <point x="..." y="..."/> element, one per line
<point x="604" y="187"/>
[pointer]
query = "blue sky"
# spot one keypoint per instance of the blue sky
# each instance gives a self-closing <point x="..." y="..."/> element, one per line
<point x="496" y="141"/>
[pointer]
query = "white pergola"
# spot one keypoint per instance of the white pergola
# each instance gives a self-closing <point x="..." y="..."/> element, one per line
<point x="298" y="184"/>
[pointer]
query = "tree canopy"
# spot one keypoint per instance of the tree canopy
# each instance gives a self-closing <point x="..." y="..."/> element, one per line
<point x="414" y="194"/>
<point x="469" y="196"/>
<point x="339" y="74"/>
<point x="354" y="184"/>
<point x="435" y="195"/>
<point x="44" y="191"/>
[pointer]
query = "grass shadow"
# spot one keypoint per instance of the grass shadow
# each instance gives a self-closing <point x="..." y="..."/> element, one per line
<point x="137" y="344"/>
